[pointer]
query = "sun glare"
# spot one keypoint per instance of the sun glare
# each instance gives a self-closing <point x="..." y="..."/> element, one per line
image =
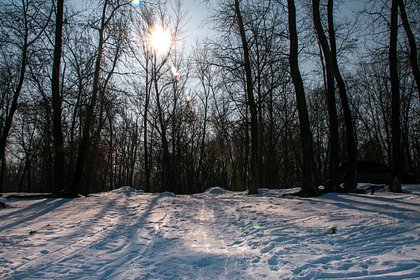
<point x="160" y="40"/>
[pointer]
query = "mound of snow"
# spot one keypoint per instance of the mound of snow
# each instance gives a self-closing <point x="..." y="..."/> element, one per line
<point x="278" y="193"/>
<point x="127" y="190"/>
<point x="3" y="202"/>
<point x="216" y="191"/>
<point x="167" y="194"/>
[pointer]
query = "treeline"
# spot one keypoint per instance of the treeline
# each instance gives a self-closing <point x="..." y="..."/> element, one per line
<point x="282" y="93"/>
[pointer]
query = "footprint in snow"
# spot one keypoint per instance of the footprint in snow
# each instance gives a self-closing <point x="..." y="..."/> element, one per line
<point x="273" y="261"/>
<point x="267" y="248"/>
<point x="236" y="243"/>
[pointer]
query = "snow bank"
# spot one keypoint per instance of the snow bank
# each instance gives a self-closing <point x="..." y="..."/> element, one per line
<point x="150" y="236"/>
<point x="2" y="203"/>
<point x="216" y="191"/>
<point x="166" y="194"/>
<point x="276" y="192"/>
<point x="126" y="190"/>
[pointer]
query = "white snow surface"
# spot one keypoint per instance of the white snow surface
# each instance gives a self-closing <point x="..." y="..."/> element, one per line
<point x="128" y="234"/>
<point x="216" y="191"/>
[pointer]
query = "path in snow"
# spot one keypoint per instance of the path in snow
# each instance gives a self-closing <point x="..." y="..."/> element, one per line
<point x="126" y="234"/>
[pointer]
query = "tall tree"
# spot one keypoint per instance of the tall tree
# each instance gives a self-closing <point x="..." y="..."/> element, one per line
<point x="109" y="10"/>
<point x="413" y="46"/>
<point x="350" y="177"/>
<point x="142" y="26"/>
<point x="58" y="169"/>
<point x="21" y="25"/>
<point x="333" y="159"/>
<point x="309" y="187"/>
<point x="168" y="181"/>
<point x="397" y="162"/>
<point x="255" y="158"/>
<point x="85" y="140"/>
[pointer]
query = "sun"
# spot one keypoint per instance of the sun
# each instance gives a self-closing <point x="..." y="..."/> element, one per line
<point x="160" y="40"/>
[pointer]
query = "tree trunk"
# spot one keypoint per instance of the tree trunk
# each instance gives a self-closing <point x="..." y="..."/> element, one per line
<point x="255" y="163"/>
<point x="58" y="168"/>
<point x="145" y="127"/>
<point x="332" y="181"/>
<point x="168" y="180"/>
<point x="85" y="140"/>
<point x="10" y="115"/>
<point x="413" y="46"/>
<point x="309" y="187"/>
<point x="350" y="177"/>
<point x="395" y="184"/>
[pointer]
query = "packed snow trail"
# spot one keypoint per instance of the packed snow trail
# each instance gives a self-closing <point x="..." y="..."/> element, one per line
<point x="126" y="234"/>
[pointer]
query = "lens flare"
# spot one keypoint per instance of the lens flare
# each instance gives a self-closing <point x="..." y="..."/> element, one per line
<point x="256" y="225"/>
<point x="175" y="74"/>
<point x="136" y="3"/>
<point x="160" y="40"/>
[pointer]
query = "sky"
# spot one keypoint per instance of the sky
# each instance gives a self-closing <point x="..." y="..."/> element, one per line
<point x="197" y="27"/>
<point x="198" y="13"/>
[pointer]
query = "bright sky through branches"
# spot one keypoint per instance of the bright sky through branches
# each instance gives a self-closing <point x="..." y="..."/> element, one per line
<point x="160" y="40"/>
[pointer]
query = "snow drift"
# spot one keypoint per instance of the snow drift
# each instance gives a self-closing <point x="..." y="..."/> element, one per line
<point x="127" y="234"/>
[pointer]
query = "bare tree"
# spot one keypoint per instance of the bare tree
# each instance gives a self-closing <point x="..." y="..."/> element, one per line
<point x="309" y="187"/>
<point x="413" y="45"/>
<point x="22" y="24"/>
<point x="109" y="10"/>
<point x="395" y="184"/>
<point x="255" y="157"/>
<point x="58" y="168"/>
<point x="333" y="160"/>
<point x="351" y="172"/>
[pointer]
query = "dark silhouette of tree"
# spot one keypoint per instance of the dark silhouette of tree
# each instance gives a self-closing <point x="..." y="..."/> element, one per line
<point x="109" y="10"/>
<point x="333" y="160"/>
<point x="350" y="174"/>
<point x="413" y="46"/>
<point x="244" y="111"/>
<point x="22" y="25"/>
<point x="309" y="187"/>
<point x="58" y="167"/>
<point x="395" y="184"/>
<point x="255" y="157"/>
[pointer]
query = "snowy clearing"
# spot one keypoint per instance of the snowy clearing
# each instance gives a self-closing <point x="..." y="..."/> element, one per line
<point x="128" y="234"/>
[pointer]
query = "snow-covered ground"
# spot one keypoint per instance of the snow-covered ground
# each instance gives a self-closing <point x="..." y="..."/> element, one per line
<point x="127" y="234"/>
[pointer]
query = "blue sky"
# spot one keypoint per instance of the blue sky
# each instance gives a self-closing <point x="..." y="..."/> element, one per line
<point x="198" y="12"/>
<point x="196" y="27"/>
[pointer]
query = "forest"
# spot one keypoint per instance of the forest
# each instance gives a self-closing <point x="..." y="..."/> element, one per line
<point x="279" y="94"/>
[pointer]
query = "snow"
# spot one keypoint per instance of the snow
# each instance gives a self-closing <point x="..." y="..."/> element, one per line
<point x="216" y="191"/>
<point x="129" y="234"/>
<point x="126" y="190"/>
